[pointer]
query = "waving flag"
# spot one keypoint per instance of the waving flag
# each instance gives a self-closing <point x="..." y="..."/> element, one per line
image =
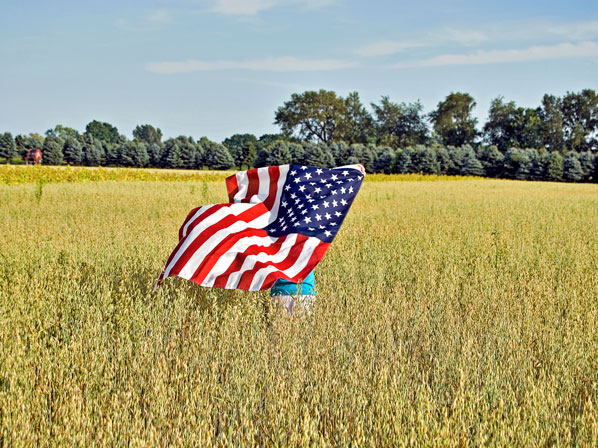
<point x="279" y="224"/>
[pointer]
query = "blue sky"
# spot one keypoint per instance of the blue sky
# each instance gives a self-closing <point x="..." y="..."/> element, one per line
<point x="219" y="67"/>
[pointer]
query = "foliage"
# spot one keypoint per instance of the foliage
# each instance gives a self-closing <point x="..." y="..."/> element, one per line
<point x="8" y="148"/>
<point x="52" y="151"/>
<point x="104" y="132"/>
<point x="452" y="119"/>
<point x="400" y="125"/>
<point x="148" y="134"/>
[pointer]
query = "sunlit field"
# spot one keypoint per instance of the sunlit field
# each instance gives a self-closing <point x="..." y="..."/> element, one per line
<point x="449" y="313"/>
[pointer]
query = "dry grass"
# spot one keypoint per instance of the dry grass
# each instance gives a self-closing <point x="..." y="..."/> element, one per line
<point x="449" y="314"/>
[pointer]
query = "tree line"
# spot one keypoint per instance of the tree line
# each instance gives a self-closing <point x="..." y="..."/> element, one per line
<point x="558" y="140"/>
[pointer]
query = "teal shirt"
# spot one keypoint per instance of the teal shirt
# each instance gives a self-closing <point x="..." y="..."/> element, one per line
<point x="286" y="288"/>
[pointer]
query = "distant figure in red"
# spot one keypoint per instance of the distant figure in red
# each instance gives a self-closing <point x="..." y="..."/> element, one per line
<point x="34" y="156"/>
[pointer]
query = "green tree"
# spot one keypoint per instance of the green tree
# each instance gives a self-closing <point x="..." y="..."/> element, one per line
<point x="587" y="160"/>
<point x="580" y="119"/>
<point x="555" y="167"/>
<point x="104" y="132"/>
<point x="72" y="151"/>
<point x="572" y="171"/>
<point x="8" y="147"/>
<point x="492" y="160"/>
<point x="318" y="155"/>
<point x="148" y="134"/>
<point x="133" y="154"/>
<point x="502" y="127"/>
<point x="424" y="160"/>
<point x="154" y="153"/>
<point x="63" y="132"/>
<point x="221" y="158"/>
<point x="357" y="125"/>
<point x="278" y="154"/>
<point x="93" y="151"/>
<point x="238" y="145"/>
<point x="312" y="115"/>
<point x="52" y="151"/>
<point x="452" y="119"/>
<point x="383" y="162"/>
<point x="400" y="125"/>
<point x="552" y="135"/>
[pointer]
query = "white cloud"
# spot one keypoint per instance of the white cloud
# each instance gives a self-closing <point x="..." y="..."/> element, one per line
<point x="160" y="16"/>
<point x="386" y="47"/>
<point x="253" y="7"/>
<point x="535" y="53"/>
<point x="577" y="30"/>
<point x="282" y="64"/>
<point x="465" y="37"/>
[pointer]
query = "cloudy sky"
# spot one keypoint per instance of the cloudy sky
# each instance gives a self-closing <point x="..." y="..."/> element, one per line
<point x="218" y="67"/>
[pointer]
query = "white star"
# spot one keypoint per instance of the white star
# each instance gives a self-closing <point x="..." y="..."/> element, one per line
<point x="285" y="228"/>
<point x="312" y="183"/>
<point x="302" y="188"/>
<point x="328" y="185"/>
<point x="328" y="233"/>
<point x="334" y="177"/>
<point x="322" y="181"/>
<point x="344" y="202"/>
<point x="338" y="214"/>
<point x="281" y="219"/>
<point x="307" y="219"/>
<point x="328" y="216"/>
<point x="295" y="224"/>
<point x="334" y="203"/>
<point x="292" y="173"/>
<point x="317" y="190"/>
<point x="308" y="196"/>
<point x="310" y="200"/>
<point x="287" y="188"/>
<point x="297" y="180"/>
<point x="321" y="227"/>
<point x="315" y="207"/>
<point x="339" y="182"/>
<point x="325" y="204"/>
<point x="293" y="219"/>
<point x="343" y="190"/>
<point x="319" y="171"/>
<point x="307" y="176"/>
<point x="344" y="173"/>
<point x="284" y="203"/>
<point x="300" y="206"/>
<point x="318" y="217"/>
<point x="304" y="168"/>
<point x="333" y="192"/>
<point x="311" y="228"/>
<point x="303" y="212"/>
<point x="293" y="196"/>
<point x="332" y="223"/>
<point x="350" y="189"/>
<point x="291" y="213"/>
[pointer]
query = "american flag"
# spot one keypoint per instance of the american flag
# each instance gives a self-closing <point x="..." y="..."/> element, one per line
<point x="278" y="224"/>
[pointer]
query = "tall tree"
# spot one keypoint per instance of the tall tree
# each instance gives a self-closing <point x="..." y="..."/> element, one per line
<point x="400" y="125"/>
<point x="148" y="134"/>
<point x="552" y="123"/>
<point x="357" y="125"/>
<point x="104" y="132"/>
<point x="8" y="148"/>
<point x="453" y="121"/>
<point x="239" y="147"/>
<point x="312" y="115"/>
<point x="62" y="132"/>
<point x="52" y="151"/>
<point x="72" y="151"/>
<point x="580" y="119"/>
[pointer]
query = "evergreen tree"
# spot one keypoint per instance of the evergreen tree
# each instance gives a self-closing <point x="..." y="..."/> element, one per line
<point x="586" y="160"/>
<point x="340" y="153"/>
<point x="154" y="153"/>
<point x="492" y="160"/>
<point x="572" y="171"/>
<point x="221" y="158"/>
<point x="318" y="155"/>
<point x="297" y="153"/>
<point x="8" y="148"/>
<point x="171" y="157"/>
<point x="278" y="154"/>
<point x="424" y="160"/>
<point x="555" y="167"/>
<point x="403" y="161"/>
<point x="52" y="152"/>
<point x="73" y="151"/>
<point x="251" y="155"/>
<point x="133" y="154"/>
<point x="148" y="134"/>
<point x="472" y="167"/>
<point x="383" y="162"/>
<point x="93" y="152"/>
<point x="445" y="162"/>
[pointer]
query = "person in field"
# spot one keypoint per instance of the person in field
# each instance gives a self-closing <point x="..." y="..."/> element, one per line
<point x="293" y="297"/>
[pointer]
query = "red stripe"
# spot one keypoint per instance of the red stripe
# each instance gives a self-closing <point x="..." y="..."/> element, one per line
<point x="253" y="186"/>
<point x="232" y="187"/>
<point x="274" y="175"/>
<point x="290" y="259"/>
<point x="253" y="250"/>
<point x="191" y="213"/>
<point x="246" y="216"/>
<point x="223" y="247"/>
<point x="315" y="258"/>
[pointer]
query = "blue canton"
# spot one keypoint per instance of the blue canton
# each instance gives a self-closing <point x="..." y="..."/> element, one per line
<point x="315" y="201"/>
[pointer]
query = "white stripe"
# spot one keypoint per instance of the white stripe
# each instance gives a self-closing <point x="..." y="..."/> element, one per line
<point x="196" y="215"/>
<point x="284" y="169"/>
<point x="242" y="185"/>
<point x="240" y="246"/>
<point x="298" y="266"/>
<point x="249" y="263"/>
<point x="263" y="188"/>
<point x="232" y="209"/>
<point x="215" y="239"/>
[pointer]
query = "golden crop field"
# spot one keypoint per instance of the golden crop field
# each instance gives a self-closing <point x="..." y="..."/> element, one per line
<point x="449" y="313"/>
